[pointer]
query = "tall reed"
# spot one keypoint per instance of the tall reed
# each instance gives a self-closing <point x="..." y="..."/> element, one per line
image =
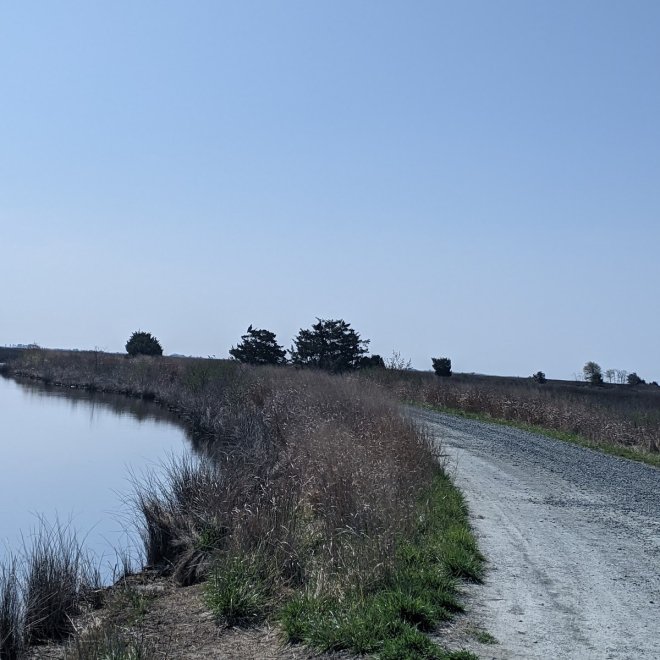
<point x="12" y="615"/>
<point x="42" y="589"/>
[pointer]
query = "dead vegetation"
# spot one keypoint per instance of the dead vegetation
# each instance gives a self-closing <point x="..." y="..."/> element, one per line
<point x="622" y="416"/>
<point x="300" y="483"/>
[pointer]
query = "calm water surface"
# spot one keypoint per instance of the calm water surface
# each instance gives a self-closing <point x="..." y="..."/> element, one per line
<point x="68" y="455"/>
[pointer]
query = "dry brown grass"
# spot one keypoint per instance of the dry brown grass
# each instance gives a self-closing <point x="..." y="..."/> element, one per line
<point x="302" y="502"/>
<point x="319" y="473"/>
<point x="615" y="415"/>
<point x="320" y="476"/>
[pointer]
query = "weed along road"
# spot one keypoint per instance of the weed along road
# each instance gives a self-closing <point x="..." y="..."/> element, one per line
<point x="572" y="537"/>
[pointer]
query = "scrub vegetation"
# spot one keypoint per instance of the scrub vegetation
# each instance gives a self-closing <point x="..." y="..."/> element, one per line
<point x="310" y="500"/>
<point x="618" y="419"/>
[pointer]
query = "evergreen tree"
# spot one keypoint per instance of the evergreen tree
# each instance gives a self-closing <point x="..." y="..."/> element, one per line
<point x="441" y="366"/>
<point x="634" y="379"/>
<point x="539" y="377"/>
<point x="331" y="345"/>
<point x="143" y="343"/>
<point x="258" y="347"/>
<point x="371" y="362"/>
<point x="593" y="373"/>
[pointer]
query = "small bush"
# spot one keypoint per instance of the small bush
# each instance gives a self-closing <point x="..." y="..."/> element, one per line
<point x="441" y="366"/>
<point x="178" y="512"/>
<point x="539" y="377"/>
<point x="634" y="379"/>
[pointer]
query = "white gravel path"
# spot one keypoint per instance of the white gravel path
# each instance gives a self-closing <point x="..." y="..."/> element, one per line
<point x="572" y="537"/>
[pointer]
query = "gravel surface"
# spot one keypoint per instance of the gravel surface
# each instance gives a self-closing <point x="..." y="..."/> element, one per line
<point x="572" y="537"/>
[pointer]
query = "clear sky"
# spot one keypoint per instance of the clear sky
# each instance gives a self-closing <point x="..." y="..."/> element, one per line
<point x="478" y="180"/>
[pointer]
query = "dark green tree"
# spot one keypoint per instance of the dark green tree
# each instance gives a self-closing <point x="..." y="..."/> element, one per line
<point x="634" y="379"/>
<point x="539" y="377"/>
<point x="258" y="347"/>
<point x="143" y="343"/>
<point x="371" y="362"/>
<point x="331" y="345"/>
<point x="593" y="373"/>
<point x="441" y="366"/>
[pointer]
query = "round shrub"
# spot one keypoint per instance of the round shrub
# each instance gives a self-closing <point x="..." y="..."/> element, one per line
<point x="143" y="343"/>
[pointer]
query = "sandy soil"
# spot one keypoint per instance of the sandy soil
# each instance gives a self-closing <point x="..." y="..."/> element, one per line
<point x="177" y="625"/>
<point x="573" y="541"/>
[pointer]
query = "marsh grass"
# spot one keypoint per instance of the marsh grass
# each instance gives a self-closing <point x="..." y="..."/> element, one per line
<point x="240" y="588"/>
<point x="618" y="419"/>
<point x="416" y="592"/>
<point x="318" y="472"/>
<point x="108" y="642"/>
<point x="43" y="589"/>
<point x="310" y="499"/>
<point x="59" y="577"/>
<point x="12" y="638"/>
<point x="633" y="452"/>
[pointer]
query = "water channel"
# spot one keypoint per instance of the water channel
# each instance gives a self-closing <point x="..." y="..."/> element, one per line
<point x="67" y="455"/>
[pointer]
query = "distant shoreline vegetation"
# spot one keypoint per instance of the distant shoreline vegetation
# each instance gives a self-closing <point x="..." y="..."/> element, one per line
<point x="619" y="419"/>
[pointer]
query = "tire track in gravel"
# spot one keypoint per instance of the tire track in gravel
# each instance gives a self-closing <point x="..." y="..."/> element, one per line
<point x="572" y="537"/>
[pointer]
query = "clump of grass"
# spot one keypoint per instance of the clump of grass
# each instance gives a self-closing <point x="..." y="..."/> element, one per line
<point x="131" y="602"/>
<point x="11" y="612"/>
<point x="43" y="589"/>
<point x="107" y="642"/>
<point x="483" y="636"/>
<point x="413" y="645"/>
<point x="239" y="589"/>
<point x="58" y="577"/>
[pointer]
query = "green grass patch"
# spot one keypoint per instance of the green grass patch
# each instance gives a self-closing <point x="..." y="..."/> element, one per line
<point x="239" y="589"/>
<point x="484" y="637"/>
<point x="605" y="447"/>
<point x="133" y="604"/>
<point x="419" y="591"/>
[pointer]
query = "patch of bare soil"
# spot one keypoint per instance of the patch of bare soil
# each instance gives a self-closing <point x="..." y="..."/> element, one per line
<point x="174" y="624"/>
<point x="179" y="625"/>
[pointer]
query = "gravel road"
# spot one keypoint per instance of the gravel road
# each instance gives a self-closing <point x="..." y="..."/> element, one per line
<point x="573" y="542"/>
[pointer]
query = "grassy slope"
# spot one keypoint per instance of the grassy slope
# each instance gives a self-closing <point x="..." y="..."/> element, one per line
<point x="390" y="617"/>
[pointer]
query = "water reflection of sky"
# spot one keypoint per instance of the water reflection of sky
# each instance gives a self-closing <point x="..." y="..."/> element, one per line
<point x="68" y="454"/>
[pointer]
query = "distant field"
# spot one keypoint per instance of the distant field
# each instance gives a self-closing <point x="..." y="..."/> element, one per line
<point x="619" y="418"/>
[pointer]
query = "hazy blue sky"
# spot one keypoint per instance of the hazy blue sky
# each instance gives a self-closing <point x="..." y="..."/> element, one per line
<point x="479" y="180"/>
